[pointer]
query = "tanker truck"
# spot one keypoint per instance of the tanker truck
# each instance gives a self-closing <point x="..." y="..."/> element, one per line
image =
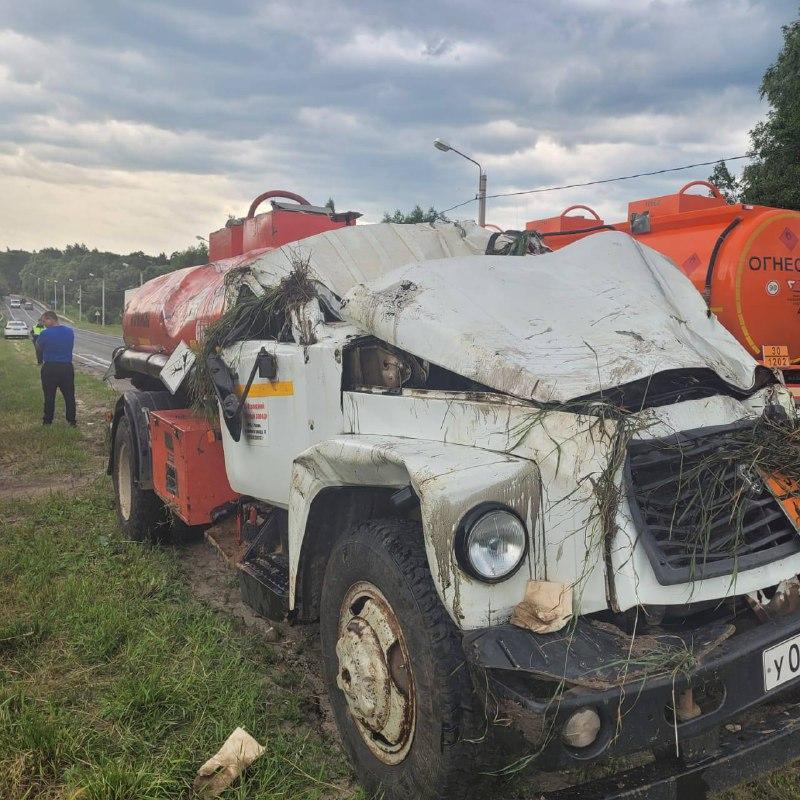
<point x="744" y="260"/>
<point x="542" y="509"/>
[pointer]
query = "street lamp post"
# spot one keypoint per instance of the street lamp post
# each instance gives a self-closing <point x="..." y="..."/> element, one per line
<point x="71" y="280"/>
<point x="444" y="147"/>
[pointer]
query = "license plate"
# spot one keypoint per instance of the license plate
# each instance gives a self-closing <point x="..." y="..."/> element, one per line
<point x="781" y="663"/>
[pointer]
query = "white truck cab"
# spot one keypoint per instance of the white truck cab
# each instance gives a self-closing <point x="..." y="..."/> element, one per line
<point x="547" y="492"/>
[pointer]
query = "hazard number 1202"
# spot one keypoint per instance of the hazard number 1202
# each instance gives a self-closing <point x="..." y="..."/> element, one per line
<point x="775" y="355"/>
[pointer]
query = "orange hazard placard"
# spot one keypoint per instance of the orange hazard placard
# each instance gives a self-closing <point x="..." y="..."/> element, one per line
<point x="775" y="355"/>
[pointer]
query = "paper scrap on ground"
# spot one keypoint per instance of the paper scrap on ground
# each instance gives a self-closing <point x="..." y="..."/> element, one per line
<point x="222" y="769"/>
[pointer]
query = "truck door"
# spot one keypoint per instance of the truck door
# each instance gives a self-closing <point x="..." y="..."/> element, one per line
<point x="284" y="416"/>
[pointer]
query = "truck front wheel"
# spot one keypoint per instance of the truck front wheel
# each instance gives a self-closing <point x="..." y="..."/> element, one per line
<point x="394" y="667"/>
<point x="140" y="512"/>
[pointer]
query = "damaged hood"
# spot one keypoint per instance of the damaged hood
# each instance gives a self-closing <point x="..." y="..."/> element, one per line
<point x="600" y="313"/>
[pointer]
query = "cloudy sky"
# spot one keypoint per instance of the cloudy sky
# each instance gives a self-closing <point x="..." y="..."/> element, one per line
<point x="138" y="125"/>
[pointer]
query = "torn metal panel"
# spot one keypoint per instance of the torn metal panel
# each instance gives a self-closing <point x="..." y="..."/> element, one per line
<point x="449" y="480"/>
<point x="603" y="312"/>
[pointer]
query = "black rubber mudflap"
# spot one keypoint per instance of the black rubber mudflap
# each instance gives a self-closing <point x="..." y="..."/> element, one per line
<point x="264" y="584"/>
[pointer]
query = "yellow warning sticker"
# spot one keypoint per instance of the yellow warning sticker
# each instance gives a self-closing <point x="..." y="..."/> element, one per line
<point x="269" y="389"/>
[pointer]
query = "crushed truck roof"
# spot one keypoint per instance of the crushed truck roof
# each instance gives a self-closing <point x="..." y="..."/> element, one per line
<point x="601" y="313"/>
<point x="343" y="258"/>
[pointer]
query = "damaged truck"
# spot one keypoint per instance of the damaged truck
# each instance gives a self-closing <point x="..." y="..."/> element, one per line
<point x="543" y="506"/>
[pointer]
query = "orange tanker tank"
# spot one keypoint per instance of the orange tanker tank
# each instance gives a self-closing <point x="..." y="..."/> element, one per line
<point x="744" y="259"/>
<point x="177" y="306"/>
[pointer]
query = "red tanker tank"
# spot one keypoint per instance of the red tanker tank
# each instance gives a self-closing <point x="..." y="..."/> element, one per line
<point x="177" y="306"/>
<point x="744" y="259"/>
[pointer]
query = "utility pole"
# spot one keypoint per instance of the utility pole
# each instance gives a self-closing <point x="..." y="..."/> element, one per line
<point x="104" y="302"/>
<point x="482" y="199"/>
<point x="63" y="297"/>
<point x="55" y="295"/>
<point x="445" y="147"/>
<point x="80" y="302"/>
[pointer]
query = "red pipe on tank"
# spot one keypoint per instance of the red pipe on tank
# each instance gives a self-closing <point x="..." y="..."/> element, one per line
<point x="275" y="193"/>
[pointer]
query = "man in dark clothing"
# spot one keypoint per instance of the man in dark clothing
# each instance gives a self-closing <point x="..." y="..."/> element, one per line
<point x="54" y="344"/>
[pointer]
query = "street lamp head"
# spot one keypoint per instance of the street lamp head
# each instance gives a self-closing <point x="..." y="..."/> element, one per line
<point x="441" y="145"/>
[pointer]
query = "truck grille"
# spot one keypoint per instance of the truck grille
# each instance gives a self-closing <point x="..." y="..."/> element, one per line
<point x="699" y="511"/>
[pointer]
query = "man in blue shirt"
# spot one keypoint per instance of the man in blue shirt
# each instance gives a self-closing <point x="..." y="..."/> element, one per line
<point x="54" y="345"/>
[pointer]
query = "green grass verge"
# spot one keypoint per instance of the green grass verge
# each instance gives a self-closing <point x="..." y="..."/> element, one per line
<point x="115" y="684"/>
<point x="28" y="450"/>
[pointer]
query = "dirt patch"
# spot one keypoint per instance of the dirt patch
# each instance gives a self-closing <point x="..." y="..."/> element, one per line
<point x="209" y="566"/>
<point x="93" y="424"/>
<point x="10" y="490"/>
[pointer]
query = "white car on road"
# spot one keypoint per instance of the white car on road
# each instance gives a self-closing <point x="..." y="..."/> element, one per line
<point x="15" y="329"/>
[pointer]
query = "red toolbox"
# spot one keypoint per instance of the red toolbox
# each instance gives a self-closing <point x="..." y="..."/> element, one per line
<point x="188" y="465"/>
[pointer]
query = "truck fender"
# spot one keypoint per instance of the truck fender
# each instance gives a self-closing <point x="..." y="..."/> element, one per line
<point x="449" y="481"/>
<point x="136" y="405"/>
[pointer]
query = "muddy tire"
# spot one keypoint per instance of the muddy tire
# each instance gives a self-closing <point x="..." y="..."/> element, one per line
<point x="405" y="731"/>
<point x="140" y="512"/>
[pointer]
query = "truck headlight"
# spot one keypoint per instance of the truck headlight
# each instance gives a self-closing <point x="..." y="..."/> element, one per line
<point x="491" y="542"/>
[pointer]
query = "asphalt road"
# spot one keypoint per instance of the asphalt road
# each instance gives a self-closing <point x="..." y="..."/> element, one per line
<point x="92" y="350"/>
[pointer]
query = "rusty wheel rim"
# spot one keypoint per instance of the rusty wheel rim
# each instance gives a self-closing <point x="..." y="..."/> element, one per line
<point x="374" y="673"/>
<point x="124" y="481"/>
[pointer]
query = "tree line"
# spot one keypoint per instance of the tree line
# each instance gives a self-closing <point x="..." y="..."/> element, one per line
<point x="53" y="275"/>
<point x="772" y="178"/>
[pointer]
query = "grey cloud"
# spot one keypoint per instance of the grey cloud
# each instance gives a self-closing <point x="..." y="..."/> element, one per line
<point x="345" y="98"/>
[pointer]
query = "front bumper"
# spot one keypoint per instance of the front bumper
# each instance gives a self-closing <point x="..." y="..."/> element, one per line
<point x="762" y="745"/>
<point x="635" y="708"/>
